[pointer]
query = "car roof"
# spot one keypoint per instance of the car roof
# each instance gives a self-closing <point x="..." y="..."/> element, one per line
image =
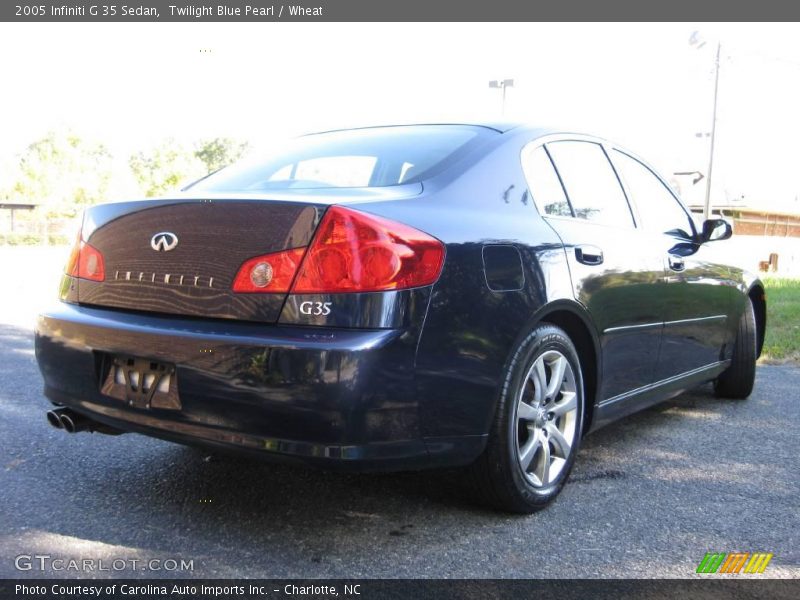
<point x="516" y="127"/>
<point x="499" y="126"/>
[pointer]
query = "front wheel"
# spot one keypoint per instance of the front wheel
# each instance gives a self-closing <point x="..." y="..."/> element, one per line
<point x="737" y="381"/>
<point x="537" y="428"/>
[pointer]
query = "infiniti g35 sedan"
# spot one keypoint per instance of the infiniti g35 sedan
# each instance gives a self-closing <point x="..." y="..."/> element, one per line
<point x="401" y="297"/>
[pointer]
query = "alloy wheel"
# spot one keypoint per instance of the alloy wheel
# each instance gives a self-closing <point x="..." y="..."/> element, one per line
<point x="546" y="418"/>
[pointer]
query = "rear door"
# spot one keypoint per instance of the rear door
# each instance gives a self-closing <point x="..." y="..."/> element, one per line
<point x="615" y="273"/>
<point x="698" y="292"/>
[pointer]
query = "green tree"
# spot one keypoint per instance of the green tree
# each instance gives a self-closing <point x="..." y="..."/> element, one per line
<point x="219" y="152"/>
<point x="63" y="173"/>
<point x="165" y="167"/>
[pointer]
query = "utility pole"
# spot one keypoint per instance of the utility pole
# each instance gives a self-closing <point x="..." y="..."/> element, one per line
<point x="707" y="207"/>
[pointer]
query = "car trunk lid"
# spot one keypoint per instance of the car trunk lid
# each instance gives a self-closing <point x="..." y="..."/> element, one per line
<point x="181" y="256"/>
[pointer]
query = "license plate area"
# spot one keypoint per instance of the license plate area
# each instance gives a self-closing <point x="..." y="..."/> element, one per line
<point x="141" y="382"/>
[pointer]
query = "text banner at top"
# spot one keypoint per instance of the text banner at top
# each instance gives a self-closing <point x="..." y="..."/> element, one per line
<point x="398" y="10"/>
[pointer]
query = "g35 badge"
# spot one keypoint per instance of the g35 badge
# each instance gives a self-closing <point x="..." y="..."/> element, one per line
<point x="316" y="308"/>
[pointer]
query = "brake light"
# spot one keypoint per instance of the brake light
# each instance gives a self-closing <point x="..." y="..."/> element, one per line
<point x="356" y="252"/>
<point x="269" y="273"/>
<point x="85" y="261"/>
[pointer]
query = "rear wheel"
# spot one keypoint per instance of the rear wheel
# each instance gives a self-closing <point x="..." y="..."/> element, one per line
<point x="737" y="381"/>
<point x="536" y="431"/>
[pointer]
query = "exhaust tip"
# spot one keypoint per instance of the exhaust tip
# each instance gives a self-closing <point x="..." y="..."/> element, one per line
<point x="67" y="423"/>
<point x="72" y="422"/>
<point x="54" y="420"/>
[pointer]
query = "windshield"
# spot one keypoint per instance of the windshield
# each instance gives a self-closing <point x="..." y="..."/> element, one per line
<point x="376" y="157"/>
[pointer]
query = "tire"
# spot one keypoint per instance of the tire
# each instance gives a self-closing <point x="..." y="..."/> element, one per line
<point x="528" y="435"/>
<point x="737" y="381"/>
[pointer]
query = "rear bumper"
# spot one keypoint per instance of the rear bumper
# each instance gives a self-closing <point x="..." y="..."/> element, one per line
<point x="339" y="398"/>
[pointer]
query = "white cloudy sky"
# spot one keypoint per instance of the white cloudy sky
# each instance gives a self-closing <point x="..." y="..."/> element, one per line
<point x="641" y="84"/>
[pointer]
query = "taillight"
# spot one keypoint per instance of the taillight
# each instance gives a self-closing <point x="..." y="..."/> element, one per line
<point x="356" y="252"/>
<point x="351" y="252"/>
<point x="85" y="261"/>
<point x="269" y="273"/>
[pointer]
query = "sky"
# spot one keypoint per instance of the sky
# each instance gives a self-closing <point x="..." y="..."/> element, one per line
<point x="131" y="85"/>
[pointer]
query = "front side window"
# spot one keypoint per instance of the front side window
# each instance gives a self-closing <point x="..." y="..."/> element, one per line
<point x="659" y="209"/>
<point x="591" y="184"/>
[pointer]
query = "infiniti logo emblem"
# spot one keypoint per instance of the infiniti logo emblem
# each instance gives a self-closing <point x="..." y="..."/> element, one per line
<point x="164" y="241"/>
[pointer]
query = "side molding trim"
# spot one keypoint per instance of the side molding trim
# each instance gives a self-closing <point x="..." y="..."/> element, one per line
<point x="665" y="382"/>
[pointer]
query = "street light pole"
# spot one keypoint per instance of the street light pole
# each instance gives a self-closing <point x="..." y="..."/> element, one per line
<point x="707" y="207"/>
<point x="503" y="84"/>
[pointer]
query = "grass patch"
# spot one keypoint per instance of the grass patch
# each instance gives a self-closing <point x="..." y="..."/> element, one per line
<point x="783" y="319"/>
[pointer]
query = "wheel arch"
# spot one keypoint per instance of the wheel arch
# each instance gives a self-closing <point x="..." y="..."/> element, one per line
<point x="575" y="321"/>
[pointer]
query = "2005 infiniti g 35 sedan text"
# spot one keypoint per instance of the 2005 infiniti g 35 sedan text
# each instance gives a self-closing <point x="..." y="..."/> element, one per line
<point x="401" y="297"/>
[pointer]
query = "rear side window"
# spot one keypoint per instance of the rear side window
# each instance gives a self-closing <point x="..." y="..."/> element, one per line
<point x="591" y="184"/>
<point x="373" y="157"/>
<point x="544" y="184"/>
<point x="658" y="208"/>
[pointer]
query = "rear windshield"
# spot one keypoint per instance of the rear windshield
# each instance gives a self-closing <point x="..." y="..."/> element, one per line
<point x="376" y="157"/>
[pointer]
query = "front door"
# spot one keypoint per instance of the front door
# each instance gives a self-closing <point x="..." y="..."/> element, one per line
<point x="698" y="292"/>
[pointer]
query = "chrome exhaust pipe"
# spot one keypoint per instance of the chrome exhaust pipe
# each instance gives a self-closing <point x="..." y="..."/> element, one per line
<point x="73" y="422"/>
<point x="54" y="418"/>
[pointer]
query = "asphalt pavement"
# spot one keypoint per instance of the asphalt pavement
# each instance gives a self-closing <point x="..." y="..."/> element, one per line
<point x="648" y="497"/>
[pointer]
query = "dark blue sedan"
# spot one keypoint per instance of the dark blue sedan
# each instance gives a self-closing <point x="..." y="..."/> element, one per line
<point x="404" y="297"/>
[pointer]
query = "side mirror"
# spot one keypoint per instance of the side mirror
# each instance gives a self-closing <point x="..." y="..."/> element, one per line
<point x="715" y="230"/>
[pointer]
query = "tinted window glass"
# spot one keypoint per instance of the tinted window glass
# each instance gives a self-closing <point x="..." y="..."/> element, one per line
<point x="544" y="184"/>
<point x="336" y="171"/>
<point x="593" y="188"/>
<point x="657" y="206"/>
<point x="376" y="157"/>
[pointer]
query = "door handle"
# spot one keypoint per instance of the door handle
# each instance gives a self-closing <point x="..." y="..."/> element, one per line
<point x="589" y="255"/>
<point x="676" y="263"/>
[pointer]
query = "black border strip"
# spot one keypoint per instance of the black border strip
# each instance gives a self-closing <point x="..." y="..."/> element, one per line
<point x="399" y="10"/>
<point x="702" y="587"/>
